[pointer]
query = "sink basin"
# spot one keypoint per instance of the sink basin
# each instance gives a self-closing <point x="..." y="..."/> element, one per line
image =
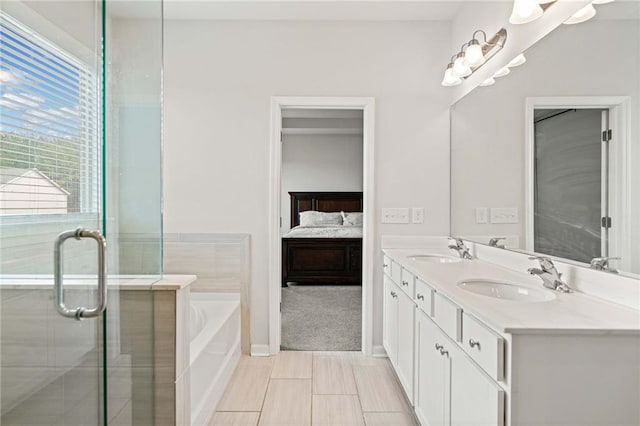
<point x="432" y="258"/>
<point x="506" y="291"/>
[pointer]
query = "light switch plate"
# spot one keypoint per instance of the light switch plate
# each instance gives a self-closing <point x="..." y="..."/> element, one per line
<point x="395" y="215"/>
<point x="417" y="215"/>
<point x="482" y="215"/>
<point x="504" y="215"/>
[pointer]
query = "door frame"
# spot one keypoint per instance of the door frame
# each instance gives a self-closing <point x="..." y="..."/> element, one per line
<point x="620" y="192"/>
<point x="367" y="106"/>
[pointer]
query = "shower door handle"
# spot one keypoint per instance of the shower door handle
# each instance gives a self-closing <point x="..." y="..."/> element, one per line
<point x="80" y="312"/>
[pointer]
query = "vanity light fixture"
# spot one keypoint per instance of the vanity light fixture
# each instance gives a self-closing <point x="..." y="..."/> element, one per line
<point x="450" y="77"/>
<point x="488" y="82"/>
<point x="517" y="61"/>
<point x="502" y="72"/>
<point x="525" y="11"/>
<point x="460" y="67"/>
<point x="472" y="56"/>
<point x="582" y="15"/>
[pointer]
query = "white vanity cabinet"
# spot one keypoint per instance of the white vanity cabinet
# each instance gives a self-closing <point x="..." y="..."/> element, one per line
<point x="450" y="389"/>
<point x="398" y="339"/>
<point x="390" y="320"/>
<point x="458" y="371"/>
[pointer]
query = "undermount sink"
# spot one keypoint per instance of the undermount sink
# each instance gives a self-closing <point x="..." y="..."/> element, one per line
<point x="506" y="291"/>
<point x="432" y="258"/>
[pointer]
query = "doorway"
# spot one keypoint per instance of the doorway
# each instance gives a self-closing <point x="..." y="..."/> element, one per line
<point x="321" y="205"/>
<point x="576" y="177"/>
<point x="287" y="111"/>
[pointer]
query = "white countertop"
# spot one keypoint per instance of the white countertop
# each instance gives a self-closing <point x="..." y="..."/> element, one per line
<point x="568" y="313"/>
<point x="121" y="282"/>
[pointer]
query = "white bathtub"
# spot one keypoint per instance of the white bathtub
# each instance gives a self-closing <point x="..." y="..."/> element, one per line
<point x="214" y="350"/>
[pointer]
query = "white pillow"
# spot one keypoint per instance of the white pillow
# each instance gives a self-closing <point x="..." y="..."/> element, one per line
<point x="351" y="219"/>
<point x="314" y="218"/>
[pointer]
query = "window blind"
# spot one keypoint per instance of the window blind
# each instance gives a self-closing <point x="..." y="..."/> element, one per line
<point x="49" y="126"/>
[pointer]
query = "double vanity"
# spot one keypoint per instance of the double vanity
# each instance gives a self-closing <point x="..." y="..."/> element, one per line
<point x="475" y="343"/>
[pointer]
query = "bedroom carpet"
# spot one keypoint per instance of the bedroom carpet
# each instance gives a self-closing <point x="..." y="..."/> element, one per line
<point x="321" y="318"/>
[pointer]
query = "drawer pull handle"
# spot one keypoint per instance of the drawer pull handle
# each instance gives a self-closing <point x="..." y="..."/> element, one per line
<point x="404" y="283"/>
<point x="439" y="346"/>
<point x="384" y="265"/>
<point x="473" y="343"/>
<point x="420" y="297"/>
<point x="443" y="352"/>
<point x="393" y="294"/>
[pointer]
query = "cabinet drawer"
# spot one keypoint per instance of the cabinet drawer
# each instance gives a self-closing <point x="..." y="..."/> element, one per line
<point x="448" y="316"/>
<point x="407" y="283"/>
<point x="386" y="265"/>
<point x="424" y="297"/>
<point x="396" y="272"/>
<point x="484" y="346"/>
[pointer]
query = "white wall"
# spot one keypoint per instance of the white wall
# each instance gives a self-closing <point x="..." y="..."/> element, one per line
<point x="219" y="77"/>
<point x="598" y="58"/>
<point x="319" y="163"/>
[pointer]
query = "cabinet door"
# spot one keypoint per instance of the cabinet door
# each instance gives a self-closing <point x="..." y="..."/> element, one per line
<point x="406" y="310"/>
<point x="475" y="398"/>
<point x="430" y="372"/>
<point x="390" y="320"/>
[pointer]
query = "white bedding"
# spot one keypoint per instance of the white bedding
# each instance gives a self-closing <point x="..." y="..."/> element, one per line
<point x="338" y="231"/>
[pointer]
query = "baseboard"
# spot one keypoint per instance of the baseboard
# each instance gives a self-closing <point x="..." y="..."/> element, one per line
<point x="379" y="352"/>
<point x="260" y="350"/>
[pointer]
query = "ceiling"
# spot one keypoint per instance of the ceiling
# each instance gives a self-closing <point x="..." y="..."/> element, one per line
<point x="314" y="10"/>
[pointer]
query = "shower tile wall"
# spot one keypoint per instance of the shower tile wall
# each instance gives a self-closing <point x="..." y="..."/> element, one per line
<point x="221" y="262"/>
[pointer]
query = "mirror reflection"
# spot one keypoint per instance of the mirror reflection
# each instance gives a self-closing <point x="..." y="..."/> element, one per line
<point x="547" y="159"/>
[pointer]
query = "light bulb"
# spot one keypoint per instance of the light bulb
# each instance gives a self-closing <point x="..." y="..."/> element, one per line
<point x="473" y="56"/>
<point x="601" y="1"/>
<point x="502" y="72"/>
<point x="488" y="82"/>
<point x="450" y="79"/>
<point x="525" y="11"/>
<point x="517" y="61"/>
<point x="582" y="15"/>
<point x="459" y="67"/>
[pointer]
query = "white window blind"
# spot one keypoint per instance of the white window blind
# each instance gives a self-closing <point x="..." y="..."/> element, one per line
<point x="49" y="126"/>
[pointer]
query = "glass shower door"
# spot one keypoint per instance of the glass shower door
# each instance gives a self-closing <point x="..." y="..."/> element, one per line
<point x="51" y="182"/>
<point x="80" y="147"/>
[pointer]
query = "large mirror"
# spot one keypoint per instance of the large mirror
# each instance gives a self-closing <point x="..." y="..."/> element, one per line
<point x="548" y="157"/>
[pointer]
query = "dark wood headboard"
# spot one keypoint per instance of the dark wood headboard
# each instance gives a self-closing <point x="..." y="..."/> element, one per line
<point x="323" y="202"/>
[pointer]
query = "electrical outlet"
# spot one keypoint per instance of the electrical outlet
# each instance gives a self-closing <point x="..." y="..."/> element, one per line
<point x="504" y="215"/>
<point x="417" y="215"/>
<point x="396" y="215"/>
<point x="482" y="215"/>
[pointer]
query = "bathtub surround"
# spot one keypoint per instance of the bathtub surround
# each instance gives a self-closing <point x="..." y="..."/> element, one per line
<point x="186" y="344"/>
<point x="221" y="263"/>
<point x="322" y="318"/>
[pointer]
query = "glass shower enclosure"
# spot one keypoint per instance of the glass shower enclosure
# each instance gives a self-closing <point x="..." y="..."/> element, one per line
<point x="80" y="210"/>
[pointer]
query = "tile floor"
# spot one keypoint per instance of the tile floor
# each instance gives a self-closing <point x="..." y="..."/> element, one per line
<point x="313" y="388"/>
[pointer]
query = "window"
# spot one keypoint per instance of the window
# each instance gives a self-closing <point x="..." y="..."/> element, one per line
<point x="49" y="126"/>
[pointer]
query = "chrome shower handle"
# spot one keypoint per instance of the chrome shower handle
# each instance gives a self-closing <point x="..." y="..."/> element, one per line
<point x="80" y="312"/>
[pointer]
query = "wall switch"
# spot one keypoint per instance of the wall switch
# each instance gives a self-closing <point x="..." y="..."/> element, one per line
<point x="504" y="215"/>
<point x="398" y="215"/>
<point x="482" y="215"/>
<point x="417" y="215"/>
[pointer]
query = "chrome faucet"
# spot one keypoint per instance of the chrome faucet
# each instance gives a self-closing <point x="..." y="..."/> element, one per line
<point x="494" y="242"/>
<point x="602" y="264"/>
<point x="550" y="276"/>
<point x="463" y="251"/>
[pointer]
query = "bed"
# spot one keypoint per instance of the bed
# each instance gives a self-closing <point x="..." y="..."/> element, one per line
<point x="330" y="254"/>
